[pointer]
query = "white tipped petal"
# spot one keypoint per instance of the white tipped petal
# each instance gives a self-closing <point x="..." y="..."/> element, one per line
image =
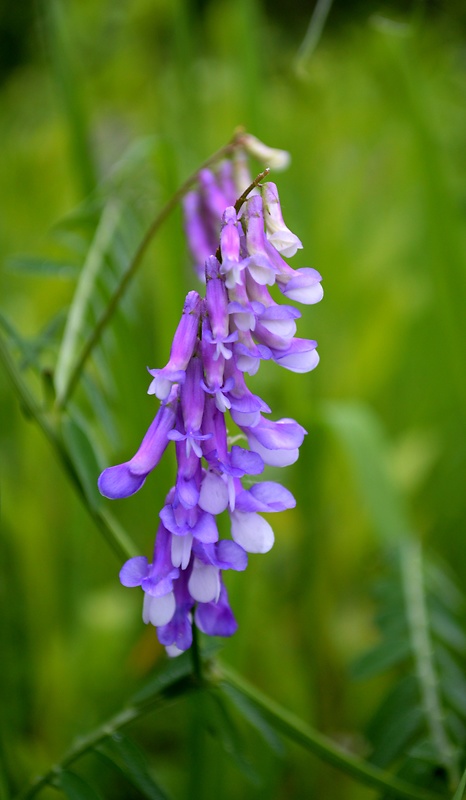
<point x="181" y="550"/>
<point x="204" y="583"/>
<point x="158" y="610"/>
<point x="273" y="458"/>
<point x="252" y="532"/>
<point x="213" y="496"/>
<point x="173" y="651"/>
<point x="286" y="242"/>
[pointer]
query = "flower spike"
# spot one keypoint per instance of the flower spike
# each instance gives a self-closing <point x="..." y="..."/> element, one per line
<point x="238" y="247"/>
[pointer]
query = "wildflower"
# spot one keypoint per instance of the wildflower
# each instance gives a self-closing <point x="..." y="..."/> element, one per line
<point x="218" y="341"/>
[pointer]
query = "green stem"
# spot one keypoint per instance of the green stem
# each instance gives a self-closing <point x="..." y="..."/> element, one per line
<point x="302" y="733"/>
<point x="87" y="743"/>
<point x="313" y="33"/>
<point x="113" y="534"/>
<point x="196" y="655"/>
<point x="241" y="200"/>
<point x="134" y="264"/>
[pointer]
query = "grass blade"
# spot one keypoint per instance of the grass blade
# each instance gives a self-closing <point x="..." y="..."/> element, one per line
<point x="95" y="260"/>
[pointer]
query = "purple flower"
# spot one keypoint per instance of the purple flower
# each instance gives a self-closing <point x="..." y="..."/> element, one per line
<point x="278" y="234"/>
<point x="302" y="285"/>
<point x="216" y="619"/>
<point x="125" y="479"/>
<point x="217" y="342"/>
<point x="176" y="634"/>
<point x="300" y="356"/>
<point x="251" y="531"/>
<point x="277" y="442"/>
<point x="199" y="233"/>
<point x="184" y="342"/>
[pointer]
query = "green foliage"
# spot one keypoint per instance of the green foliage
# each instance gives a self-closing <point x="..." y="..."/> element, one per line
<point x="115" y="107"/>
<point x="422" y="718"/>
<point x="75" y="788"/>
<point x="127" y="757"/>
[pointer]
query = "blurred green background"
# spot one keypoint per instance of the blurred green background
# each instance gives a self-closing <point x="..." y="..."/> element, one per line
<point x="374" y="118"/>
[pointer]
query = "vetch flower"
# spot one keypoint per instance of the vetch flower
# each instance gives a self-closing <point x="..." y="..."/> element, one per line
<point x="181" y="351"/>
<point x="286" y="242"/>
<point x="125" y="479"/>
<point x="218" y="342"/>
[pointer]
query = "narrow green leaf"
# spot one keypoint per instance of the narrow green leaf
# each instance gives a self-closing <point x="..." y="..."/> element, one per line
<point x="386" y="655"/>
<point x="42" y="267"/>
<point x="397" y="721"/>
<point x="459" y="794"/>
<point x="254" y="716"/>
<point x="446" y="629"/>
<point x="442" y="584"/>
<point x="15" y="337"/>
<point x="76" y="323"/>
<point x="75" y="787"/>
<point x="298" y="731"/>
<point x="220" y="723"/>
<point x="136" y="155"/>
<point x="100" y="407"/>
<point x="31" y="350"/>
<point x="363" y="438"/>
<point x="453" y="681"/>
<point x="125" y="753"/>
<point x="82" y="452"/>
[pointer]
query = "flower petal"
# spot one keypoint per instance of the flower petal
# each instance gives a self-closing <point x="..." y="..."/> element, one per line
<point x="158" y="610"/>
<point x="251" y="532"/>
<point x="213" y="496"/>
<point x="134" y="571"/>
<point x="117" y="482"/>
<point x="204" y="582"/>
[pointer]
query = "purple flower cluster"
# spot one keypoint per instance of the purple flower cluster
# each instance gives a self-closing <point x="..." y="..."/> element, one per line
<point x="220" y="339"/>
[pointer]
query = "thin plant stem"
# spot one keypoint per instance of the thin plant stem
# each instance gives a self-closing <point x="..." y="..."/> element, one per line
<point x="134" y="264"/>
<point x="282" y="720"/>
<point x="302" y="733"/>
<point x="241" y="200"/>
<point x="251" y="186"/>
<point x="313" y="33"/>
<point x="196" y="655"/>
<point x="87" y="743"/>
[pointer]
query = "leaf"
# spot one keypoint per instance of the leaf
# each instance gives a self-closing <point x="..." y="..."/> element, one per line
<point x="453" y="681"/>
<point x="396" y="722"/>
<point x="86" y="286"/>
<point x="254" y="716"/>
<point x="138" y="152"/>
<point x="42" y="267"/>
<point x="446" y="629"/>
<point x="125" y="754"/>
<point x="417" y="608"/>
<point x="381" y="658"/>
<point x="75" y="787"/>
<point x="220" y="723"/>
<point x="459" y="794"/>
<point x="361" y="434"/>
<point x="83" y="455"/>
<point x="15" y="337"/>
